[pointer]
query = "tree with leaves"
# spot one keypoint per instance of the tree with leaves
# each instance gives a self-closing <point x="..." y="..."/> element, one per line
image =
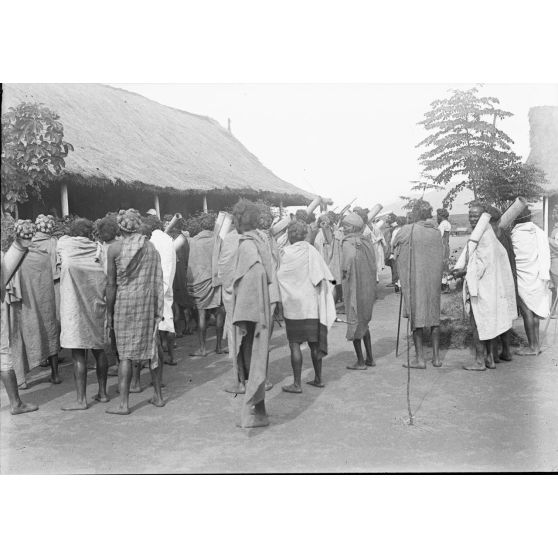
<point x="33" y="151"/>
<point x="465" y="144"/>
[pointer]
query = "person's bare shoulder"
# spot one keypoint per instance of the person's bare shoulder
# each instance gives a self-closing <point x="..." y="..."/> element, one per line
<point x="114" y="249"/>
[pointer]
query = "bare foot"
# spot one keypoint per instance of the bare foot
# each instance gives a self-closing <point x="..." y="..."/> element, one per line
<point x="226" y="350"/>
<point x="157" y="402"/>
<point x="136" y="389"/>
<point x="437" y="363"/>
<point x="292" y="388"/>
<point x="77" y="406"/>
<point x="356" y="366"/>
<point x="489" y="364"/>
<point x="419" y="364"/>
<point x="475" y="367"/>
<point x="315" y="383"/>
<point x="219" y="351"/>
<point x="55" y="380"/>
<point x="236" y="388"/>
<point x="120" y="410"/>
<point x="268" y="385"/>
<point x="506" y="357"/>
<point x="524" y="352"/>
<point x="102" y="398"/>
<point x="254" y="421"/>
<point x="23" y="386"/>
<point x="370" y="362"/>
<point x="199" y="353"/>
<point x="23" y="408"/>
<point x="170" y="362"/>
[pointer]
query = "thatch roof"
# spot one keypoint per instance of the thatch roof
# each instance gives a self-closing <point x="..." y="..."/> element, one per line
<point x="544" y="143"/>
<point x="122" y="137"/>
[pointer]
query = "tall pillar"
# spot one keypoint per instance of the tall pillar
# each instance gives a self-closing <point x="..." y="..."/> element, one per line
<point x="64" y="200"/>
<point x="546" y="203"/>
<point x="156" y="203"/>
<point x="205" y="203"/>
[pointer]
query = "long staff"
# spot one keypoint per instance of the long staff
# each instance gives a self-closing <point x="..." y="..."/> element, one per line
<point x="399" y="323"/>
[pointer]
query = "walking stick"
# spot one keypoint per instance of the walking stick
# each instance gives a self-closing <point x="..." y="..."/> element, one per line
<point x="552" y="311"/>
<point x="399" y="324"/>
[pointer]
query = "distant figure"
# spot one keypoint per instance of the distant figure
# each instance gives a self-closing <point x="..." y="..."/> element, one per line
<point x="207" y="296"/>
<point x="135" y="306"/>
<point x="358" y="268"/>
<point x="83" y="308"/>
<point x="532" y="259"/>
<point x="251" y="315"/>
<point x="328" y="243"/>
<point x="418" y="250"/>
<point x="444" y="226"/>
<point x="107" y="229"/>
<point x="308" y="306"/>
<point x="553" y="244"/>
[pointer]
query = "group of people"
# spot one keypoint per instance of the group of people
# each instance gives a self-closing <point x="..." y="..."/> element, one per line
<point x="121" y="288"/>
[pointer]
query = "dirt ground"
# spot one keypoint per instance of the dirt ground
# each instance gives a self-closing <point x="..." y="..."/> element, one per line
<point x="500" y="420"/>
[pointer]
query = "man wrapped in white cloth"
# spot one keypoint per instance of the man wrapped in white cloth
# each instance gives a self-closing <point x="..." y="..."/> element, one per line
<point x="164" y="245"/>
<point x="306" y="288"/>
<point x="532" y="257"/>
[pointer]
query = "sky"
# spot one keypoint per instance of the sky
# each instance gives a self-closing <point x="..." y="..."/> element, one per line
<point x="341" y="141"/>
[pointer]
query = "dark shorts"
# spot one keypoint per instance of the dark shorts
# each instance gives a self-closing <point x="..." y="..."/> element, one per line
<point x="303" y="331"/>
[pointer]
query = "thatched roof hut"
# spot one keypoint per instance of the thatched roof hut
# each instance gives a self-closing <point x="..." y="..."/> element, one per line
<point x="131" y="147"/>
<point x="543" y="139"/>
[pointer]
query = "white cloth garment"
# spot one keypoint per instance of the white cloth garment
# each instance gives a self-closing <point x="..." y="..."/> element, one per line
<point x="444" y="226"/>
<point x="489" y="287"/>
<point x="532" y="260"/>
<point x="304" y="281"/>
<point x="164" y="245"/>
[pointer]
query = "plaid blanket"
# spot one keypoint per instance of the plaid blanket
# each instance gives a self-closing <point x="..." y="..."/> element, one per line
<point x="139" y="298"/>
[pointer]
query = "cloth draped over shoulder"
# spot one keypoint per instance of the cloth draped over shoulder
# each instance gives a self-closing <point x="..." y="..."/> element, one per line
<point x="47" y="243"/>
<point x="180" y="283"/>
<point x="251" y="278"/>
<point x="306" y="290"/>
<point x="532" y="260"/>
<point x="83" y="289"/>
<point x="489" y="288"/>
<point x="225" y="274"/>
<point x="418" y="251"/>
<point x="331" y="252"/>
<point x="33" y="325"/>
<point x="201" y="273"/>
<point x="358" y="266"/>
<point x="164" y="245"/>
<point x="139" y="299"/>
<point x="553" y="245"/>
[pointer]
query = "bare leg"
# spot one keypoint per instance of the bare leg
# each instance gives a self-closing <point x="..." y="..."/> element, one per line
<point x="80" y="378"/>
<point x="102" y="374"/>
<point x="506" y="353"/>
<point x="296" y="363"/>
<point x="368" y="347"/>
<point x="167" y="337"/>
<point x="54" y="376"/>
<point x="531" y="323"/>
<point x="479" y="363"/>
<point x="219" y="324"/>
<point x="157" y="381"/>
<point x="489" y="349"/>
<point x="317" y="363"/>
<point x="202" y="332"/>
<point x="135" y="385"/>
<point x="17" y="407"/>
<point x="419" y="360"/>
<point x="436" y="361"/>
<point x="359" y="364"/>
<point x="124" y="378"/>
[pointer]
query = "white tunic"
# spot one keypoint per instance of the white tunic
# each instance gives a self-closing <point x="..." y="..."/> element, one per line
<point x="532" y="260"/>
<point x="164" y="245"/>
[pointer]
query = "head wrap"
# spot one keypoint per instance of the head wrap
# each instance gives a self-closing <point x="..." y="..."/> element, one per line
<point x="324" y="217"/>
<point x="129" y="220"/>
<point x="494" y="212"/>
<point x="353" y="219"/>
<point x="45" y="223"/>
<point x="25" y="228"/>
<point x="151" y="212"/>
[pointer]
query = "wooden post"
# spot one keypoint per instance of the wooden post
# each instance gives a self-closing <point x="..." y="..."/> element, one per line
<point x="546" y="210"/>
<point x="64" y="200"/>
<point x="157" y="207"/>
<point x="205" y="203"/>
